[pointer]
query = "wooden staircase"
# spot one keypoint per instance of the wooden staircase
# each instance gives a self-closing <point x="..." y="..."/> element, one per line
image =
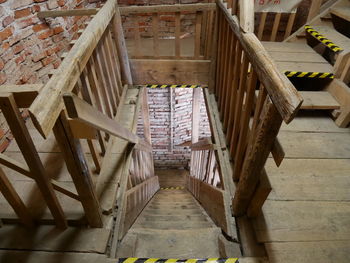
<point x="316" y="59"/>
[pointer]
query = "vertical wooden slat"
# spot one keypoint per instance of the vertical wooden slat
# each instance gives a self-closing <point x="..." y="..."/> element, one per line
<point x="137" y="50"/>
<point x="222" y="60"/>
<point x="78" y="169"/>
<point x="209" y="35"/>
<point x="155" y="26"/>
<point x="214" y="53"/>
<point x="314" y="9"/>
<point x="177" y="34"/>
<point x="25" y="143"/>
<point x="220" y="23"/>
<point x="275" y="27"/>
<point x="290" y="24"/>
<point x="197" y="43"/>
<point x="14" y="200"/>
<point x="119" y="39"/>
<point x="257" y="154"/>
<point x="262" y="25"/>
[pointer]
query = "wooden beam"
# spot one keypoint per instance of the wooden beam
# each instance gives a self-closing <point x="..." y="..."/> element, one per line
<point x="82" y="111"/>
<point x="282" y="92"/>
<point x="246" y="15"/>
<point x="196" y="114"/>
<point x="24" y="94"/>
<point x="145" y="115"/>
<point x="314" y="9"/>
<point x="72" y="12"/>
<point x="167" y="8"/>
<point x="78" y="169"/>
<point x="82" y="131"/>
<point x="14" y="200"/>
<point x="205" y="144"/>
<point x="48" y="105"/>
<point x="31" y="156"/>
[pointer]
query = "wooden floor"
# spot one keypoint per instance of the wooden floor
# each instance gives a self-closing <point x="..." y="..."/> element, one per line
<point x="307" y="215"/>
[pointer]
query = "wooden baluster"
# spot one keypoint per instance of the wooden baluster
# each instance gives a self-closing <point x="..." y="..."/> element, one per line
<point x="31" y="156"/>
<point x="197" y="45"/>
<point x="234" y="87"/>
<point x="256" y="157"/>
<point x="137" y="51"/>
<point x="78" y="169"/>
<point x="14" y="200"/>
<point x="244" y="129"/>
<point x="290" y="24"/>
<point x="276" y="24"/>
<point x="258" y="108"/>
<point x="155" y="26"/>
<point x="220" y="20"/>
<point x="209" y="35"/>
<point x="177" y="34"/>
<point x="222" y="60"/>
<point x="119" y="39"/>
<point x="234" y="10"/>
<point x="239" y="101"/>
<point x="262" y="22"/>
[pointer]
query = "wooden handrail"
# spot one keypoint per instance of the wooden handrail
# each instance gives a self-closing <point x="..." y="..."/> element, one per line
<point x="82" y="111"/>
<point x="282" y="92"/>
<point x="126" y="10"/>
<point x="48" y="105"/>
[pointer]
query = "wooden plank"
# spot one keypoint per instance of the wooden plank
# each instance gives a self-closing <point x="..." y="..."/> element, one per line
<point x="48" y="105"/>
<point x="167" y="8"/>
<point x="281" y="91"/>
<point x="310" y="221"/>
<point x="155" y="27"/>
<point x="304" y="67"/>
<point x="295" y="56"/>
<point x="318" y="100"/>
<point x="289" y="47"/>
<point x="197" y="42"/>
<point x="14" y="200"/>
<point x="78" y="169"/>
<point x="25" y="143"/>
<point x="24" y="94"/>
<point x="317" y="251"/>
<point x="343" y="12"/>
<point x="84" y="112"/>
<point x="177" y="34"/>
<point x="276" y="24"/>
<point x="72" y="12"/>
<point x="187" y="72"/>
<point x="145" y="115"/>
<point x="262" y="25"/>
<point x="257" y="154"/>
<point x="196" y="114"/>
<point x="314" y="9"/>
<point x="246" y="16"/>
<point x="82" y="131"/>
<point x="290" y="24"/>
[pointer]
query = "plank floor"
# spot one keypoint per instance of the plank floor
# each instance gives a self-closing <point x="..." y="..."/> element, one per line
<point x="307" y="216"/>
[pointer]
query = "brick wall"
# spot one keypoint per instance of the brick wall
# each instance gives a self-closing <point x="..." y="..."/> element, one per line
<point x="167" y="152"/>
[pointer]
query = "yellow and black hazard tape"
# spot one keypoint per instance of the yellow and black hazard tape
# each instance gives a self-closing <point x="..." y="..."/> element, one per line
<point x="174" y="86"/>
<point x="173" y="188"/>
<point x="173" y="260"/>
<point x="323" y="39"/>
<point x="316" y="75"/>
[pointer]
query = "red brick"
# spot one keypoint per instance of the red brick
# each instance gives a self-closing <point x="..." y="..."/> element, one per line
<point x="39" y="56"/>
<point x="3" y="78"/>
<point x="2" y="64"/>
<point x="22" y="13"/>
<point x="39" y="27"/>
<point x="36" y="8"/>
<point x="5" y="46"/>
<point x="46" y="61"/>
<point x="53" y="50"/>
<point x="26" y="22"/>
<point x="7" y="21"/>
<point x="61" y="2"/>
<point x="56" y="64"/>
<point x="20" y="3"/>
<point x="39" y="1"/>
<point x="17" y="48"/>
<point x="58" y="30"/>
<point x="6" y="33"/>
<point x="20" y="59"/>
<point x="46" y="34"/>
<point x="4" y="144"/>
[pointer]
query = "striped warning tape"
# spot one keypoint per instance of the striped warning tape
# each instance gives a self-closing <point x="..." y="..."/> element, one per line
<point x="174" y="86"/>
<point x="173" y="188"/>
<point x="318" y="75"/>
<point x="323" y="39"/>
<point x="172" y="260"/>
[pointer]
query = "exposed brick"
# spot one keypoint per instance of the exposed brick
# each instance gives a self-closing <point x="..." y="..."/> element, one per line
<point x="23" y="13"/>
<point x="20" y="3"/>
<point x="2" y="1"/>
<point x="46" y="61"/>
<point x="40" y="27"/>
<point x="2" y="64"/>
<point x="26" y="22"/>
<point x="39" y="1"/>
<point x="52" y="4"/>
<point x="17" y="48"/>
<point x="7" y="21"/>
<point x="6" y="33"/>
<point x="36" y="8"/>
<point x="58" y="30"/>
<point x="46" y="34"/>
<point x="3" y="78"/>
<point x="39" y="56"/>
<point x="61" y="2"/>
<point x="20" y="59"/>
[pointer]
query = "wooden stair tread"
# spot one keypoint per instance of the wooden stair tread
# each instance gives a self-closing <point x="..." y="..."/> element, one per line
<point x="304" y="67"/>
<point x="287" y="47"/>
<point x="333" y="35"/>
<point x="342" y="12"/>
<point x="183" y="224"/>
<point x="318" y="100"/>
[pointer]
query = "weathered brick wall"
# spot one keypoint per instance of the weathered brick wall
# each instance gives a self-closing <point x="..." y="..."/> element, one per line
<point x="167" y="152"/>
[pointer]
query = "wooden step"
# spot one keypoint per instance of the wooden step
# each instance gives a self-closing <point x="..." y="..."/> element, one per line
<point x="181" y="224"/>
<point x="341" y="19"/>
<point x="172" y="218"/>
<point x="342" y="12"/>
<point x="318" y="100"/>
<point x="333" y="35"/>
<point x="169" y="212"/>
<point x="171" y="206"/>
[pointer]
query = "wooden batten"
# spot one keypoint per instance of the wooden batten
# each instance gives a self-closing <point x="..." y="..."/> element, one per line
<point x="73" y="12"/>
<point x="167" y="8"/>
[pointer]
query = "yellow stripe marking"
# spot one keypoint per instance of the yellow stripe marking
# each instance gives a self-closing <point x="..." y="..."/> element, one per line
<point x="191" y="260"/>
<point x="302" y="74"/>
<point x="212" y="260"/>
<point x="291" y="74"/>
<point x="171" y="260"/>
<point x="231" y="260"/>
<point x="151" y="260"/>
<point x="314" y="74"/>
<point x="130" y="260"/>
<point x="324" y="75"/>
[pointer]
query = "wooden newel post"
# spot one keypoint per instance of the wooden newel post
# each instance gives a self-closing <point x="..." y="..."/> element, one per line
<point x="257" y="155"/>
<point x="78" y="169"/>
<point x="119" y="39"/>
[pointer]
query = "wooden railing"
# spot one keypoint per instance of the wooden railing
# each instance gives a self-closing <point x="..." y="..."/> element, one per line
<point x="150" y="41"/>
<point x="253" y="99"/>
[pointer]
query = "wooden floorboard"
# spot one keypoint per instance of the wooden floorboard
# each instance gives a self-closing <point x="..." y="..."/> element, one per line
<point x="307" y="215"/>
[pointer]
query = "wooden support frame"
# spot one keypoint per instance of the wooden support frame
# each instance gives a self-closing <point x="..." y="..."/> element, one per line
<point x="24" y="95"/>
<point x="167" y="8"/>
<point x="31" y="156"/>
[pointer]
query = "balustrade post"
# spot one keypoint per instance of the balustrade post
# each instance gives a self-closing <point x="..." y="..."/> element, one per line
<point x="257" y="154"/>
